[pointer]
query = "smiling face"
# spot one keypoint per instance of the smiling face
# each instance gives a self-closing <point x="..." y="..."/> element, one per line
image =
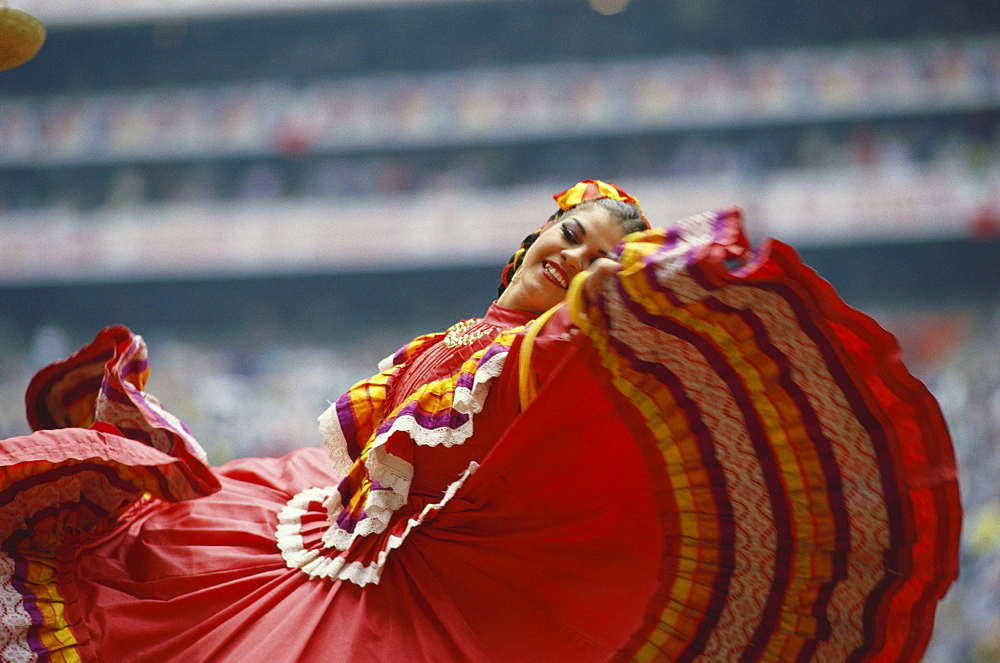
<point x="562" y="251"/>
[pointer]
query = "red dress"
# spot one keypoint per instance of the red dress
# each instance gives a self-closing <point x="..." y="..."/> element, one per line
<point x="709" y="462"/>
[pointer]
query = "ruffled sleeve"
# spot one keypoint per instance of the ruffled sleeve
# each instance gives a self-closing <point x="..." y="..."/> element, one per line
<point x="347" y="531"/>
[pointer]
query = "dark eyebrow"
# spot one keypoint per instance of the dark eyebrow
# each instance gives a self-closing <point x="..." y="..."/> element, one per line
<point x="583" y="231"/>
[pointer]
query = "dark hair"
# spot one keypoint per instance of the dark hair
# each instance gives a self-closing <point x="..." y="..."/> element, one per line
<point x="628" y="216"/>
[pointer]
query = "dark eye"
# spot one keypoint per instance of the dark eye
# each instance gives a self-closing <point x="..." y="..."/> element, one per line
<point x="568" y="234"/>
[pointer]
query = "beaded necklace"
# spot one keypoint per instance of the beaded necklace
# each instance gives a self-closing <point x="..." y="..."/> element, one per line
<point x="458" y="335"/>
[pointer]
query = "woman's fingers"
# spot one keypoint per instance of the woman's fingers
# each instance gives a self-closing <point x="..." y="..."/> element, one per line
<point x="600" y="271"/>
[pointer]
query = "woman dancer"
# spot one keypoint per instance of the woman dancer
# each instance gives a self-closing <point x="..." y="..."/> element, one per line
<point x="669" y="447"/>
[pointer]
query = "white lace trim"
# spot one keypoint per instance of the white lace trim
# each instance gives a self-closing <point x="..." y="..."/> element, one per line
<point x="466" y="401"/>
<point x="336" y="443"/>
<point x="391" y="472"/>
<point x="145" y="411"/>
<point x="159" y="425"/>
<point x="14" y="619"/>
<point x="379" y="508"/>
<point x="315" y="563"/>
<point x="396" y="474"/>
<point x="387" y="362"/>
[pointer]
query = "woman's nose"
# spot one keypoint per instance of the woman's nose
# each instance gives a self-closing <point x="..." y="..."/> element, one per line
<point x="574" y="258"/>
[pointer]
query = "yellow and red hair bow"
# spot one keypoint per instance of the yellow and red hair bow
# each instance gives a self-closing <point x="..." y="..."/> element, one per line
<point x="588" y="190"/>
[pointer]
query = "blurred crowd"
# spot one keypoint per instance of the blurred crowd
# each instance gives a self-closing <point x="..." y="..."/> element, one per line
<point x="747" y="112"/>
<point x="857" y="146"/>
<point x="966" y="382"/>
<point x="239" y="401"/>
<point x="243" y="401"/>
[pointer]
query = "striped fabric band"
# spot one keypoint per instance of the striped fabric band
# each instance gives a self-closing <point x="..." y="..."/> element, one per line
<point x="806" y="479"/>
<point x="117" y="448"/>
<point x="439" y="413"/>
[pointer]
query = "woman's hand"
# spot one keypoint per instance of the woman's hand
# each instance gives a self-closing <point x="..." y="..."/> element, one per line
<point x="601" y="270"/>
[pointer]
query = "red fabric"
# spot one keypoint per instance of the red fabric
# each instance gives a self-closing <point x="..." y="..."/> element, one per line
<point x="528" y="562"/>
<point x="724" y="464"/>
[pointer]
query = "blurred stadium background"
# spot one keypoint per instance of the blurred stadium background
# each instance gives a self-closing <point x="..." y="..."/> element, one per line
<point x="277" y="193"/>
